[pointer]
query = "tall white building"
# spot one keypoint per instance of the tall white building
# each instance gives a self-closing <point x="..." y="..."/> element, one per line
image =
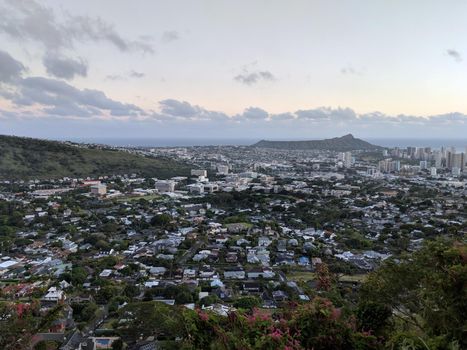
<point x="99" y="189"/>
<point x="438" y="156"/>
<point x="164" y="186"/>
<point x="346" y="158"/>
<point x="199" y="172"/>
<point x="455" y="171"/>
<point x="223" y="169"/>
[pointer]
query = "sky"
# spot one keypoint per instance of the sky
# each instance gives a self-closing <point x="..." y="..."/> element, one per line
<point x="260" y="69"/>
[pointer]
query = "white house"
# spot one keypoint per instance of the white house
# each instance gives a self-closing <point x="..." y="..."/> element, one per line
<point x="54" y="295"/>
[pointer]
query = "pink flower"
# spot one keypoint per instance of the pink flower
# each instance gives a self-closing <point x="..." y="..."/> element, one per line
<point x="336" y="314"/>
<point x="203" y="316"/>
<point x="276" y="334"/>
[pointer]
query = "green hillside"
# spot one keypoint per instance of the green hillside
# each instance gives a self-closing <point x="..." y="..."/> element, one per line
<point x="26" y="158"/>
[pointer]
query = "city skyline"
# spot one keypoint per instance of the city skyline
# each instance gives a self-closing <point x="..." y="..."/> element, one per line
<point x="301" y="70"/>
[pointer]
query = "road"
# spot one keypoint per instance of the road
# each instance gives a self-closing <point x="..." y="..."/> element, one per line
<point x="282" y="276"/>
<point x="190" y="252"/>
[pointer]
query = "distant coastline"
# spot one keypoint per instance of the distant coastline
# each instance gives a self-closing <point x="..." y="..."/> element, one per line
<point x="165" y="142"/>
<point x="187" y="142"/>
<point x="406" y="142"/>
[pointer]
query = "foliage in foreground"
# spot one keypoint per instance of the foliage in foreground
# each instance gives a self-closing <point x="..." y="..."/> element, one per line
<point x="416" y="302"/>
<point x="317" y="325"/>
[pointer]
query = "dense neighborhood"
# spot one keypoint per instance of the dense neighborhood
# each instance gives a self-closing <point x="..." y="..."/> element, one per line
<point x="249" y="228"/>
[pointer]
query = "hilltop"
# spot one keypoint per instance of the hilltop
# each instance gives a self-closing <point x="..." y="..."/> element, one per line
<point x="344" y="143"/>
<point x="28" y="158"/>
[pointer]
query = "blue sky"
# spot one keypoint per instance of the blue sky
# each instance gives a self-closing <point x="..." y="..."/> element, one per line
<point x="233" y="69"/>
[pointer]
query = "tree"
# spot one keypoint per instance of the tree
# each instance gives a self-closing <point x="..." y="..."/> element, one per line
<point x="161" y="220"/>
<point x="372" y="316"/>
<point x="248" y="302"/>
<point x="78" y="275"/>
<point x="105" y="293"/>
<point x="131" y="290"/>
<point x="83" y="312"/>
<point x="17" y="326"/>
<point x="183" y="297"/>
<point x="425" y="290"/>
<point x="46" y="345"/>
<point x="324" y="277"/>
<point x="117" y="344"/>
<point x="145" y="319"/>
<point x="209" y="300"/>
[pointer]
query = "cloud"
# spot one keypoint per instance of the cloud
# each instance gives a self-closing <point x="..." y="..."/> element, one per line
<point x="170" y="35"/>
<point x="130" y="74"/>
<point x="182" y="110"/>
<point x="283" y="116"/>
<point x="29" y="20"/>
<point x="135" y="74"/>
<point x="351" y="70"/>
<point x="115" y="77"/>
<point x="456" y="56"/>
<point x="253" y="113"/>
<point x="56" y="97"/>
<point x="96" y="29"/>
<point x="41" y="97"/>
<point x="10" y="69"/>
<point x="326" y="113"/>
<point x="250" y="75"/>
<point x="65" y="68"/>
<point x="177" y="108"/>
<point x="254" y="77"/>
<point x="59" y="98"/>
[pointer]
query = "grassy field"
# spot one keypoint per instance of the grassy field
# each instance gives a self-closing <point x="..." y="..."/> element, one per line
<point x="137" y="198"/>
<point x="108" y="323"/>
<point x="353" y="278"/>
<point x="301" y="275"/>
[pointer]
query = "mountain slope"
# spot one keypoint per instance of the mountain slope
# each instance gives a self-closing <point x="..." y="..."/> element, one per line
<point x="27" y="158"/>
<point x="344" y="143"/>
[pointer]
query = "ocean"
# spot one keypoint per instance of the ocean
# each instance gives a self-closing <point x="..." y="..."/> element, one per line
<point x="161" y="142"/>
<point x="186" y="142"/>
<point x="433" y="143"/>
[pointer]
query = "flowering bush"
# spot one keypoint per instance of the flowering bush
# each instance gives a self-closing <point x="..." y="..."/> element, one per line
<point x="315" y="325"/>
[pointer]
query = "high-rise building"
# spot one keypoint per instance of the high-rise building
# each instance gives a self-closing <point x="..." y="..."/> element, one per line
<point x="388" y="165"/>
<point x="396" y="152"/>
<point x="396" y="165"/>
<point x="455" y="160"/>
<point x="348" y="160"/>
<point x="438" y="157"/>
<point x="411" y="151"/>
<point x="449" y="159"/>
<point x="459" y="161"/>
